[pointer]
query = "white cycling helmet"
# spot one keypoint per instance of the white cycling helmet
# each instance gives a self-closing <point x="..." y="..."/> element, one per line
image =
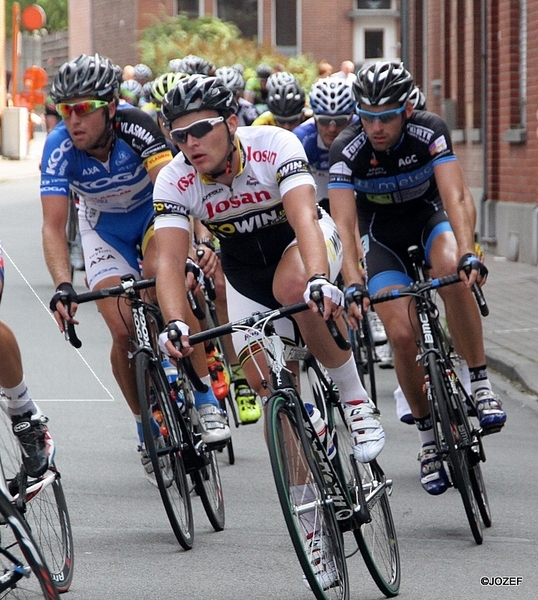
<point x="332" y="96"/>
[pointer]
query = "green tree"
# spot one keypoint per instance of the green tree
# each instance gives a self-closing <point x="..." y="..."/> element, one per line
<point x="55" y="10"/>
<point x="218" y="42"/>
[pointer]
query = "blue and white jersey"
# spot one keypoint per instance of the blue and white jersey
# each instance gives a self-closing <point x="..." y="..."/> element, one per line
<point x="120" y="185"/>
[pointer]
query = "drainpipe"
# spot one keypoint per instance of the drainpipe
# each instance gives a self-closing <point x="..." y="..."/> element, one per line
<point x="484" y="131"/>
<point x="404" y="32"/>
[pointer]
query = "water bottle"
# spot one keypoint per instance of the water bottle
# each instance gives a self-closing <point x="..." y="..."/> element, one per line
<point x="320" y="427"/>
<point x="172" y="376"/>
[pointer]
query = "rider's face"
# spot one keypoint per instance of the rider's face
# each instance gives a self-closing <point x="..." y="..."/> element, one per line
<point x="86" y="131"/>
<point x="207" y="154"/>
<point x="383" y="136"/>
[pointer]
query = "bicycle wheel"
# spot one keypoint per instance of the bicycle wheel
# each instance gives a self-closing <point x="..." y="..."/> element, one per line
<point x="455" y="433"/>
<point x="44" y="511"/>
<point x="308" y="513"/>
<point x="23" y="570"/>
<point x="476" y="456"/>
<point x="206" y="477"/>
<point x="165" y="450"/>
<point x="367" y="484"/>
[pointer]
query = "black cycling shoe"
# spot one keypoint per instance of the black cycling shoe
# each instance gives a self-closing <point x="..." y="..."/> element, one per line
<point x="36" y="444"/>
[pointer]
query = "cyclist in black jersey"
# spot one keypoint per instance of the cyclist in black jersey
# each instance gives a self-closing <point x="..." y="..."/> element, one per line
<point x="395" y="169"/>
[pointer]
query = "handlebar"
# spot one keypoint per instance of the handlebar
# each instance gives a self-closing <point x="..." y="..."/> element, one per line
<point x="271" y="315"/>
<point x="418" y="287"/>
<point x="127" y="286"/>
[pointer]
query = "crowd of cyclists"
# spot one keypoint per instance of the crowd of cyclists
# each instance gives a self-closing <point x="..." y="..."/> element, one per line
<point x="342" y="180"/>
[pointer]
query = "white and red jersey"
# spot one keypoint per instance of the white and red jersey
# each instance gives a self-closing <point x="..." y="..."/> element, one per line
<point x="248" y="216"/>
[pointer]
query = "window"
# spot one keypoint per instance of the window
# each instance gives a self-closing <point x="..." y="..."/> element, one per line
<point x="244" y="13"/>
<point x="286" y="22"/>
<point x="373" y="44"/>
<point x="191" y="7"/>
<point x="373" y="4"/>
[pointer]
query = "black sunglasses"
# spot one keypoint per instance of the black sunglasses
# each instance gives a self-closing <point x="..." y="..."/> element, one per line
<point x="197" y="129"/>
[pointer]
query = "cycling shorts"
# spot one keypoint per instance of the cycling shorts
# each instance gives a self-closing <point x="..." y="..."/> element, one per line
<point x="114" y="244"/>
<point x="249" y="288"/>
<point x="387" y="234"/>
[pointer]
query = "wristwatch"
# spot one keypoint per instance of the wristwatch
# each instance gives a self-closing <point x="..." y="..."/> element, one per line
<point x="207" y="242"/>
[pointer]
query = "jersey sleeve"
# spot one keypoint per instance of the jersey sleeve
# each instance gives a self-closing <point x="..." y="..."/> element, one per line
<point x="142" y="134"/>
<point x="292" y="168"/>
<point x="55" y="162"/>
<point x="340" y="170"/>
<point x="170" y="198"/>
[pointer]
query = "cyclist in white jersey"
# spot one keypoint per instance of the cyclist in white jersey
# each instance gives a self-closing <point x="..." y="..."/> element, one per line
<point x="252" y="188"/>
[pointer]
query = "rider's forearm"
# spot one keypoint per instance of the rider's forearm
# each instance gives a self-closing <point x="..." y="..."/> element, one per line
<point x="56" y="254"/>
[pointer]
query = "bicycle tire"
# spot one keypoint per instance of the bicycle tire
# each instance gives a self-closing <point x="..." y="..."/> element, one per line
<point x="45" y="512"/>
<point x="206" y="479"/>
<point x="166" y="451"/>
<point x="19" y="553"/>
<point x="224" y="403"/>
<point x="476" y="456"/>
<point x="457" y="452"/>
<point x="377" y="539"/>
<point x="291" y="455"/>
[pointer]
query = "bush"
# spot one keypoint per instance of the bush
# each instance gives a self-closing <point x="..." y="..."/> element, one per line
<point x="216" y="41"/>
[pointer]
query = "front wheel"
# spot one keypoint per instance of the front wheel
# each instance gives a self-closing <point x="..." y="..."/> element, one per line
<point x="308" y="512"/>
<point x="160" y="413"/>
<point x="367" y="484"/>
<point x="457" y="437"/>
<point x="24" y="573"/>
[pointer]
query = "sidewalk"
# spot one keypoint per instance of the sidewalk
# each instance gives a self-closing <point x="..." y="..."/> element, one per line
<point x="510" y="330"/>
<point x="26" y="167"/>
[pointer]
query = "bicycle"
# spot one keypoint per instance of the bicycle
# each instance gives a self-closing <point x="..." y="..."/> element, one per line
<point x="169" y="420"/>
<point x="328" y="495"/>
<point x="456" y="438"/>
<point x="41" y="502"/>
<point x="23" y="571"/>
<point x="227" y="403"/>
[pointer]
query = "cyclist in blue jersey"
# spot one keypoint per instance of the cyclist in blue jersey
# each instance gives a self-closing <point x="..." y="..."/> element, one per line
<point x="111" y="158"/>
<point x="396" y="171"/>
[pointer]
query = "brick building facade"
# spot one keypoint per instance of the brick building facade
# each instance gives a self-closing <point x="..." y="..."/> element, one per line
<point x="475" y="60"/>
<point x="472" y="58"/>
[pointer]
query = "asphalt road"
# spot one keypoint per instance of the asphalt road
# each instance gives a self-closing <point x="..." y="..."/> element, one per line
<point x="124" y="547"/>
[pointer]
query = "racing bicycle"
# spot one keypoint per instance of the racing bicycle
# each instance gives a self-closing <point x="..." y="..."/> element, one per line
<point x="458" y="439"/>
<point x="325" y="494"/>
<point x="181" y="462"/>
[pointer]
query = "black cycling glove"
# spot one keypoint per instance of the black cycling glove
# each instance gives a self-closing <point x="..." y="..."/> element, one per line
<point x="356" y="293"/>
<point x="66" y="293"/>
<point x="469" y="262"/>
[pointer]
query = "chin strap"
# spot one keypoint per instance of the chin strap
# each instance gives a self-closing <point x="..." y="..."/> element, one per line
<point x="228" y="169"/>
<point x="105" y="138"/>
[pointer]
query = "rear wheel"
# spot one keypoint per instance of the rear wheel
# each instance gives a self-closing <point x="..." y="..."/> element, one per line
<point x="24" y="573"/>
<point x="158" y="408"/>
<point x="307" y="510"/>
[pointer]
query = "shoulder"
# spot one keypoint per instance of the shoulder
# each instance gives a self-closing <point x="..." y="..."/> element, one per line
<point x="306" y="129"/>
<point x="349" y="143"/>
<point x="266" y="118"/>
<point x="139" y="131"/>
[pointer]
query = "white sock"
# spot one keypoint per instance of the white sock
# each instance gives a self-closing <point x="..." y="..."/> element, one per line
<point x="348" y="382"/>
<point x="18" y="400"/>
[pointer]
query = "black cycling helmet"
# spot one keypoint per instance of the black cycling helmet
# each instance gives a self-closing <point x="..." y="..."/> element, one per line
<point x="94" y="76"/>
<point x="263" y="71"/>
<point x="383" y="82"/>
<point x="285" y="97"/>
<point x="196" y="93"/>
<point x="417" y="98"/>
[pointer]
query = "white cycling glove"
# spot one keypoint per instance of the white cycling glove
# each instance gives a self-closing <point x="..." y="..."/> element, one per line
<point x="328" y="289"/>
<point x="178" y="328"/>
